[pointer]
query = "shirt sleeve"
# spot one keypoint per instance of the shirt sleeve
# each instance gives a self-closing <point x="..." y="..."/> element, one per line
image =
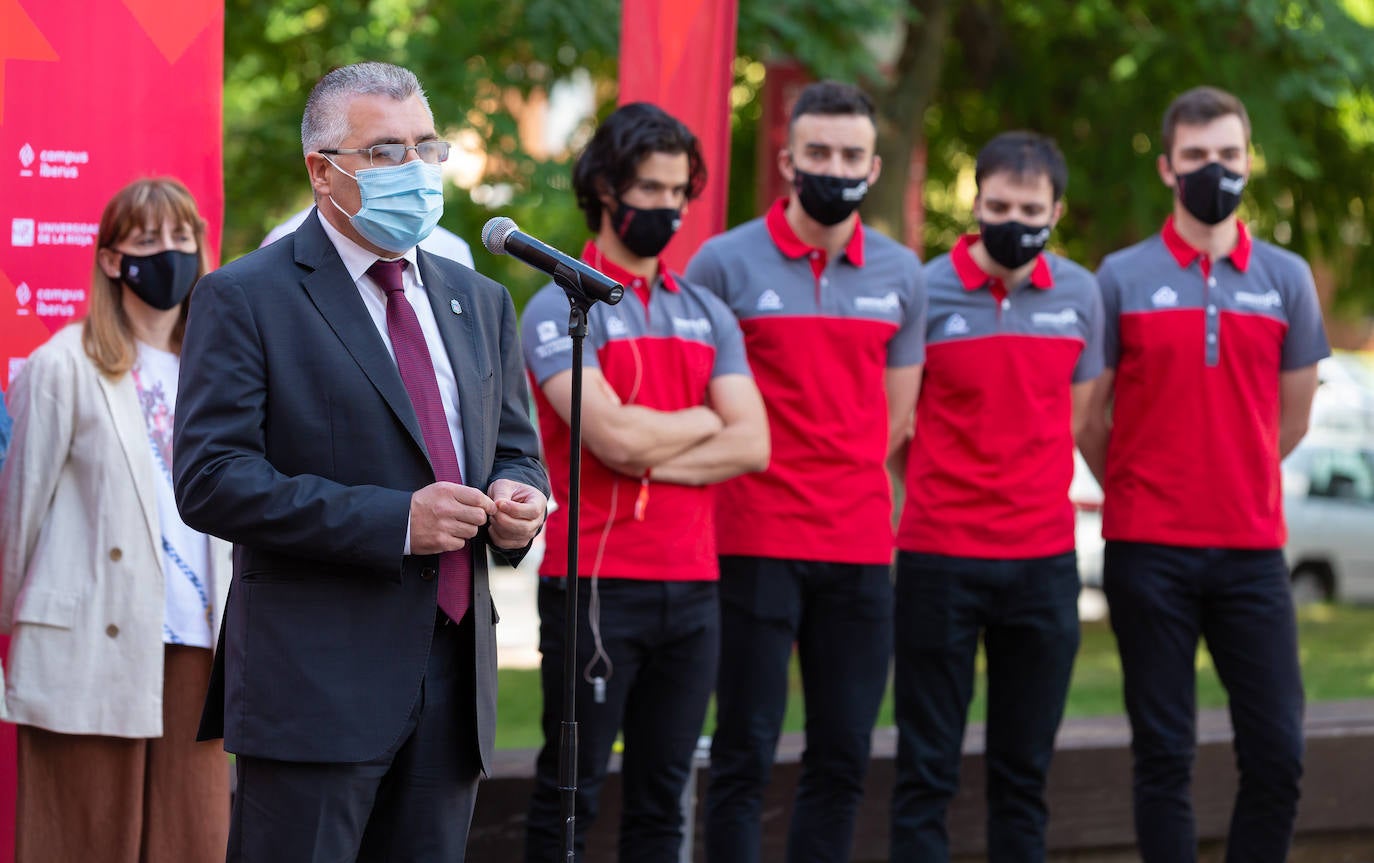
<point x="4" y="432"/>
<point x="1305" y="342"/>
<point x="544" y="336"/>
<point x="908" y="347"/>
<point x="1110" y="290"/>
<point x="705" y="269"/>
<point x="1090" y="361"/>
<point x="731" y="358"/>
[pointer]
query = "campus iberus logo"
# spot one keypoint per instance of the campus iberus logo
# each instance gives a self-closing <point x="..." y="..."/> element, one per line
<point x="52" y="164"/>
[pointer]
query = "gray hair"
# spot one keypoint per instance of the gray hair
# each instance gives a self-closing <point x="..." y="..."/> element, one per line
<point x="325" y="123"/>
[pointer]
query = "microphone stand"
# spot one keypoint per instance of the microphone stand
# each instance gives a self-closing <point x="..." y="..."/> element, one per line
<point x="569" y="280"/>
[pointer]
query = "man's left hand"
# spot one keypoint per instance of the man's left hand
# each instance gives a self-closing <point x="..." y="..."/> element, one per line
<point x="519" y="514"/>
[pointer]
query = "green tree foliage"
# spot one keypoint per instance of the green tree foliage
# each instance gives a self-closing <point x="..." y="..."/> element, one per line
<point x="947" y="74"/>
<point x="1098" y="74"/>
<point x="474" y="57"/>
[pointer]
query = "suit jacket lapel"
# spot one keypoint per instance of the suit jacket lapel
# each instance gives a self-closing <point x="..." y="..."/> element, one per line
<point x="458" y="329"/>
<point x="121" y="397"/>
<point x="336" y="297"/>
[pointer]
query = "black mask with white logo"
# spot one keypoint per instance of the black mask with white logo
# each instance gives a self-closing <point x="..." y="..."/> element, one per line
<point x="829" y="200"/>
<point x="1211" y="193"/>
<point x="645" y="232"/>
<point x="1014" y="244"/>
<point x="162" y="280"/>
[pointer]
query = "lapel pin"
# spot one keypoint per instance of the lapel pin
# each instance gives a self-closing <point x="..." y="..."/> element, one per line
<point x="453" y="305"/>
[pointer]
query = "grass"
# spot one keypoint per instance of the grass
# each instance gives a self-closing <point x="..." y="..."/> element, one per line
<point x="1336" y="643"/>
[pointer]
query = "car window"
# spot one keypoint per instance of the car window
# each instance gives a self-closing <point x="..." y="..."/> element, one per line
<point x="1344" y="474"/>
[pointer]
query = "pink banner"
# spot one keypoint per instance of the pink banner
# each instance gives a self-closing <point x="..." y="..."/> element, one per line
<point x="93" y="94"/>
<point x="680" y="55"/>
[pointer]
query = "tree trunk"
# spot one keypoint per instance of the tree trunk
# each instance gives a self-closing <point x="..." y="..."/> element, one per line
<point x="901" y="111"/>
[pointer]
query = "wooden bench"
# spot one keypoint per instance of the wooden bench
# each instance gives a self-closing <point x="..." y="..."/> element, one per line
<point x="1089" y="794"/>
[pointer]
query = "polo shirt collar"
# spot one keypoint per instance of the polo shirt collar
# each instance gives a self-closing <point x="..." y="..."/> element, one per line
<point x="1185" y="254"/>
<point x="973" y="277"/>
<point x="792" y="246"/>
<point x="593" y="257"/>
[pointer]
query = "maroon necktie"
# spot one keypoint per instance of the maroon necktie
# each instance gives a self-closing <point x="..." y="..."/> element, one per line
<point x="417" y="372"/>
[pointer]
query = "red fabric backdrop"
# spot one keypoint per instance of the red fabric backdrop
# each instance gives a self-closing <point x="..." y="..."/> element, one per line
<point x="93" y="93"/>
<point x="680" y="55"/>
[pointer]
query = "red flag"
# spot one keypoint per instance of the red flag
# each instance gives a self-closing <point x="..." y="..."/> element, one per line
<point x="680" y="55"/>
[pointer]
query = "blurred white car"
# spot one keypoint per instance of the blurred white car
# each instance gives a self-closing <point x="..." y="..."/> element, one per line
<point x="1328" y="484"/>
<point x="1344" y="402"/>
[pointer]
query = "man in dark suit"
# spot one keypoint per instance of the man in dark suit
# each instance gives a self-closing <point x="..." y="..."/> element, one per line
<point x="353" y="416"/>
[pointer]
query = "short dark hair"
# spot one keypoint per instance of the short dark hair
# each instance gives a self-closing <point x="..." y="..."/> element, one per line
<point x="1198" y="107"/>
<point x="627" y="137"/>
<point x="1024" y="155"/>
<point x="832" y="98"/>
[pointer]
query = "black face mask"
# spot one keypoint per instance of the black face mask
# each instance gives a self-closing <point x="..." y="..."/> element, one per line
<point x="162" y="280"/>
<point x="1211" y="193"/>
<point x="829" y="200"/>
<point x="645" y="232"/>
<point x="1014" y="244"/>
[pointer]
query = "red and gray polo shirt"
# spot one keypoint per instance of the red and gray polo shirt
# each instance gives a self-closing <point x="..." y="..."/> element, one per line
<point x="989" y="469"/>
<point x="820" y="334"/>
<point x="659" y="347"/>
<point x="1198" y="347"/>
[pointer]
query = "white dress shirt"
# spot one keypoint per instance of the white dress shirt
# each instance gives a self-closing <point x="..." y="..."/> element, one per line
<point x="357" y="260"/>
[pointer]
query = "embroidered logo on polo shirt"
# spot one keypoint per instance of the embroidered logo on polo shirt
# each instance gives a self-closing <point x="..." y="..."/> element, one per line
<point x="547" y="331"/>
<point x="956" y="325"/>
<point x="616" y="327"/>
<point x="1270" y="299"/>
<point x="884" y="304"/>
<point x="699" y="327"/>
<point x="1066" y="318"/>
<point x="1165" y="296"/>
<point x="769" y="301"/>
<point x="556" y="347"/>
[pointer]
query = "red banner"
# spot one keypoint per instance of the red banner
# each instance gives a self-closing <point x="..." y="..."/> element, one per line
<point x="93" y="94"/>
<point x="680" y="55"/>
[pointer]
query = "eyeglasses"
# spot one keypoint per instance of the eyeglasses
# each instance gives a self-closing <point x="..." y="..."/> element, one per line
<point x="384" y="155"/>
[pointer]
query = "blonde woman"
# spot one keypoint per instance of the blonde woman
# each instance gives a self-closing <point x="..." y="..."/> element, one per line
<point x="112" y="602"/>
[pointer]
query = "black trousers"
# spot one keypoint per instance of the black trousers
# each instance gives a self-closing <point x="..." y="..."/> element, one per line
<point x="414" y="803"/>
<point x="1163" y="599"/>
<point x="1026" y="612"/>
<point x="663" y="639"/>
<point x="840" y="618"/>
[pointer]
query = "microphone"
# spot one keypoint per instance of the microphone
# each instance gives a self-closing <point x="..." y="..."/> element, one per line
<point x="502" y="236"/>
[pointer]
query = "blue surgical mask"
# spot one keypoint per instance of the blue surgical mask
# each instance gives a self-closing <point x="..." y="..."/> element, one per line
<point x="401" y="204"/>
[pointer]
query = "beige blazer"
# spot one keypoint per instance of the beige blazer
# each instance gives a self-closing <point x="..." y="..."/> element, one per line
<point x="81" y="552"/>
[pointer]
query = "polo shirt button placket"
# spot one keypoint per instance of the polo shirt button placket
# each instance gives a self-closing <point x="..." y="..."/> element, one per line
<point x="818" y="263"/>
